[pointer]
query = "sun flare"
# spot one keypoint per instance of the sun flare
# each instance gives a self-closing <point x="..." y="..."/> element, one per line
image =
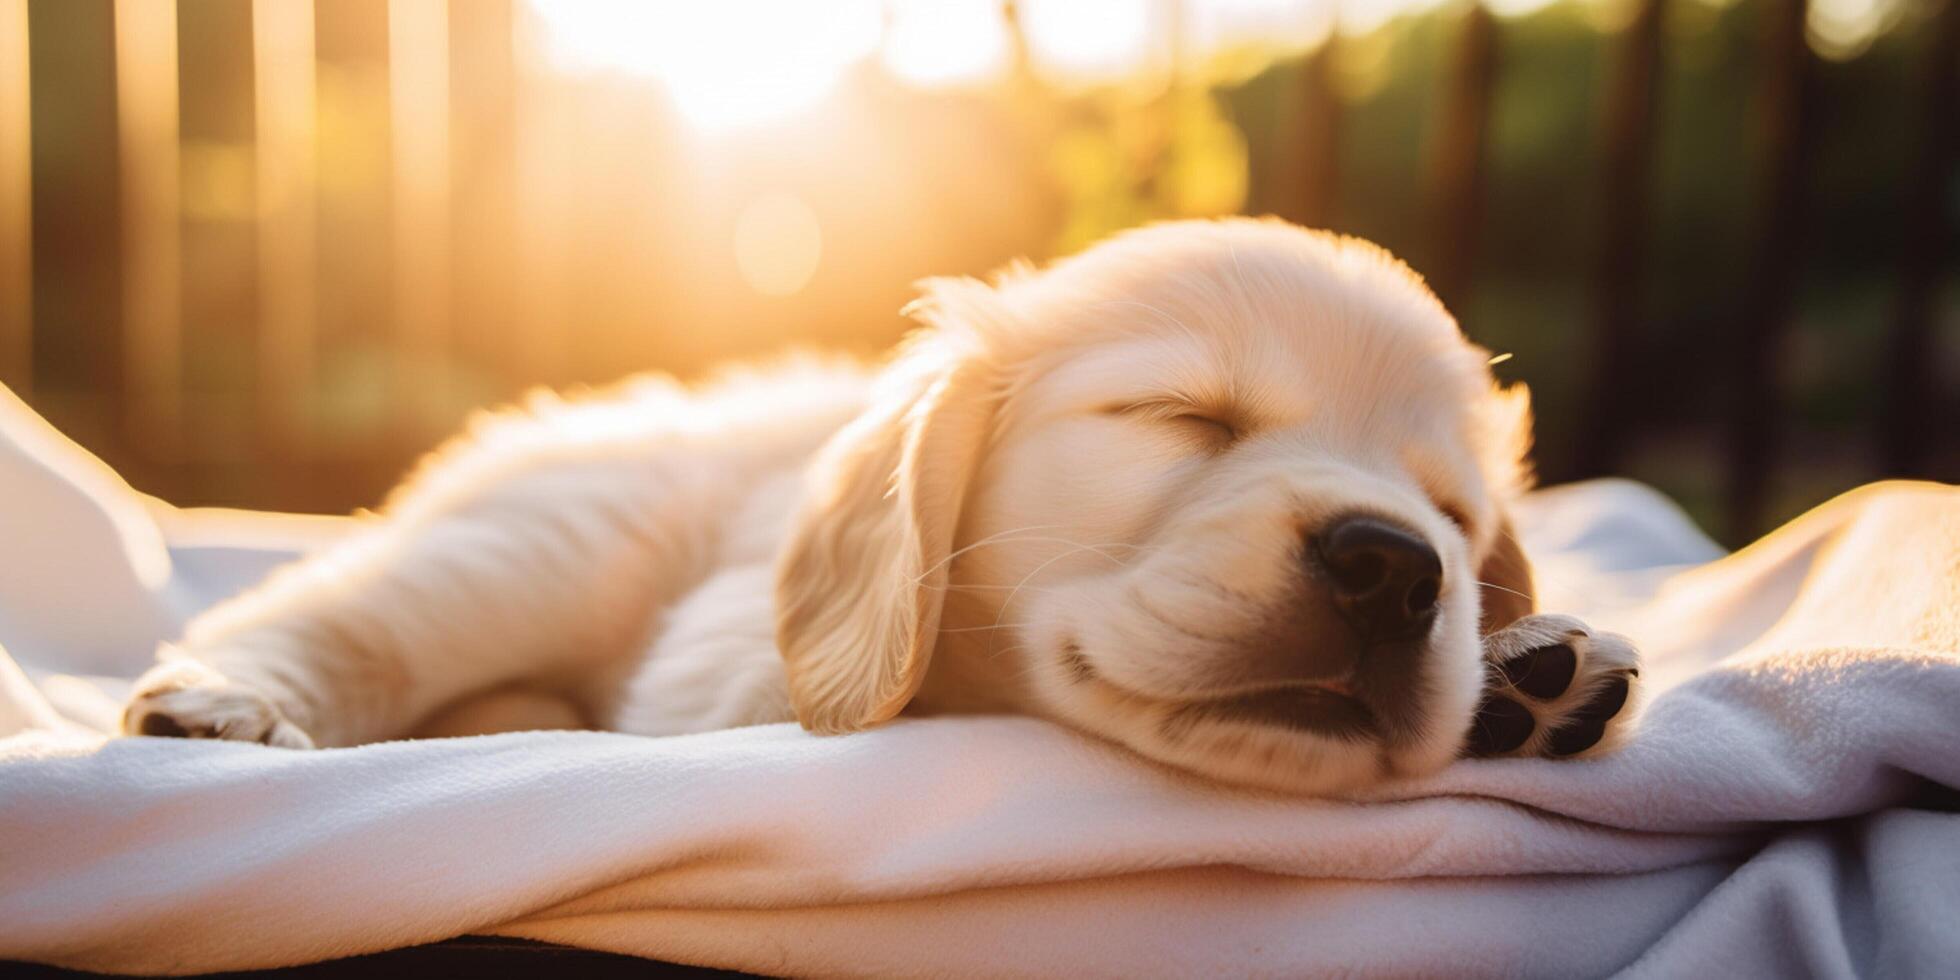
<point x="946" y="42"/>
<point x="724" y="64"/>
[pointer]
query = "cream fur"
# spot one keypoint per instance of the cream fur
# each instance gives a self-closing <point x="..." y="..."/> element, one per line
<point x="1075" y="493"/>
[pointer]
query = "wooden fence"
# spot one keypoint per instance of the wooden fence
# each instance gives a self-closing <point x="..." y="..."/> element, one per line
<point x="150" y="149"/>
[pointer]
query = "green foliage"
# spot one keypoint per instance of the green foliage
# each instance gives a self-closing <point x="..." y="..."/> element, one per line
<point x="1121" y="161"/>
<point x="1537" y="245"/>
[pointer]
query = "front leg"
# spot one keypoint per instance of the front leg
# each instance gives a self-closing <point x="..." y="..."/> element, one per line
<point x="1555" y="687"/>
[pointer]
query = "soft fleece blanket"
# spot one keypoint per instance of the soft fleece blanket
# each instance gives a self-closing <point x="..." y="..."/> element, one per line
<point x="1787" y="810"/>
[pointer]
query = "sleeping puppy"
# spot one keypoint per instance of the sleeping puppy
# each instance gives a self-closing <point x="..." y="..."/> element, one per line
<point x="1231" y="494"/>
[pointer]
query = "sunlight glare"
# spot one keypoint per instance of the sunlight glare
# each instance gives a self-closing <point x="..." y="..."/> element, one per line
<point x="1362" y="17"/>
<point x="1084" y="40"/>
<point x="1265" y="24"/>
<point x="725" y="63"/>
<point x="946" y="42"/>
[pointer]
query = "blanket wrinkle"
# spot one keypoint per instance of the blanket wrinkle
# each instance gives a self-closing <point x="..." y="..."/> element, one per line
<point x="1784" y="925"/>
<point x="1799" y="703"/>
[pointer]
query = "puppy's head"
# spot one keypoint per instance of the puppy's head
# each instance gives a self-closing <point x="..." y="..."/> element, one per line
<point x="1230" y="493"/>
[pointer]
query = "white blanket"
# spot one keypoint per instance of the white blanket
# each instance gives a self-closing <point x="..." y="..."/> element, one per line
<point x="1787" y="809"/>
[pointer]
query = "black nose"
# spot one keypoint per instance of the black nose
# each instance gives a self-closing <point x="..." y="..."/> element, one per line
<point x="1384" y="578"/>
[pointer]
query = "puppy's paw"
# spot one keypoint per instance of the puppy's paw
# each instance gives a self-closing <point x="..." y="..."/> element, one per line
<point x="1554" y="687"/>
<point x="186" y="699"/>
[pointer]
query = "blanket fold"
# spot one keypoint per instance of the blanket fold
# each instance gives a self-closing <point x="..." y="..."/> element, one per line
<point x="1769" y="819"/>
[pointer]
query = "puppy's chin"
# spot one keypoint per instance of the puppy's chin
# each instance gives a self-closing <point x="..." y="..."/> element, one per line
<point x="1302" y="738"/>
<point x="1247" y="750"/>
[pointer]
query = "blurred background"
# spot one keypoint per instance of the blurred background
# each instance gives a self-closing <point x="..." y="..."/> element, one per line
<point x="265" y="252"/>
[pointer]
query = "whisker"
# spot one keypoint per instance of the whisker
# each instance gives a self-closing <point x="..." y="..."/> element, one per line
<point x="1494" y="585"/>
<point x="1075" y="547"/>
<point x="994" y="538"/>
<point x="1009" y="601"/>
<point x="967" y="588"/>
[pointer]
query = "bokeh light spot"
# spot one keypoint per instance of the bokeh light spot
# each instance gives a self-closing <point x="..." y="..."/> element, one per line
<point x="1844" y="29"/>
<point x="946" y="42"/>
<point x="1088" y="40"/>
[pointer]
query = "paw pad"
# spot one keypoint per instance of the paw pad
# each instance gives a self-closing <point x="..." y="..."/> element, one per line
<point x="1502" y="725"/>
<point x="1543" y="673"/>
<point x="163" y="726"/>
<point x="1553" y="688"/>
<point x="1588" y="725"/>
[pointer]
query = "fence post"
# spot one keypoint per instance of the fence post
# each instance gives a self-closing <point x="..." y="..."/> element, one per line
<point x="545" y="156"/>
<point x="152" y="273"/>
<point x="1625" y="167"/>
<point x="285" y="110"/>
<point x="1910" y="405"/>
<point x="354" y="242"/>
<point x="1784" y="108"/>
<point x="78" y="343"/>
<point x="483" y="164"/>
<point x="1456" y="164"/>
<point x="1309" y="192"/>
<point x="16" y="203"/>
<point x="418" y="89"/>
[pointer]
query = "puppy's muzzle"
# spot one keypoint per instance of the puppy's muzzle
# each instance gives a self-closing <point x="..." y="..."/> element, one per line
<point x="1384" y="579"/>
<point x="1348" y="654"/>
<point x="1360" y="617"/>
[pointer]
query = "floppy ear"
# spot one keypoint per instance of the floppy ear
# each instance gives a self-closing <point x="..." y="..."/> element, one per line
<point x="860" y="585"/>
<point x="1507" y="593"/>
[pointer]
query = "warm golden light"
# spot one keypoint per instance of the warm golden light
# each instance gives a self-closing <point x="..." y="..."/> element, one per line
<point x="946" y="42"/>
<point x="147" y="137"/>
<point x="1269" y="25"/>
<point x="1360" y="17"/>
<point x="726" y="63"/>
<point x="777" y="244"/>
<point x="286" y="108"/>
<point x="16" y="201"/>
<point x="735" y="63"/>
<point x="1089" y="39"/>
<point x="418" y="66"/>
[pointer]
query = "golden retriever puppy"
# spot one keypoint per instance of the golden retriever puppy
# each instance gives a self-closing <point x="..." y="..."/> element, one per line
<point x="1230" y="493"/>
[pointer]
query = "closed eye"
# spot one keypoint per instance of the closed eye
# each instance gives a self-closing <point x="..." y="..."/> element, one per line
<point x="1211" y="427"/>
<point x="1215" y="430"/>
